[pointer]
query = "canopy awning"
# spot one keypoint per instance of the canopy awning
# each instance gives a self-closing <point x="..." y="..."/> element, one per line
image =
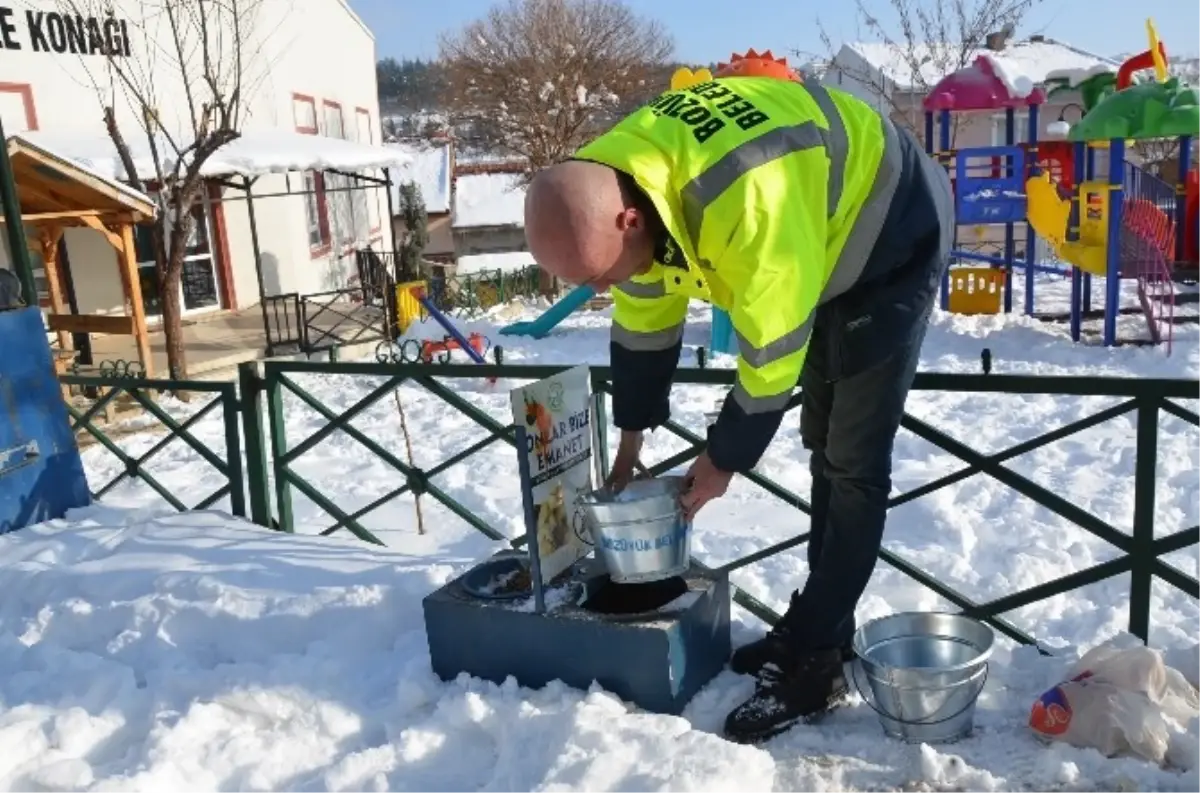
<point x="56" y="190"/>
<point x="254" y="153"/>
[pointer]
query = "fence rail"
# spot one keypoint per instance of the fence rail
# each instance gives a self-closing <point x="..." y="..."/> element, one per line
<point x="145" y="392"/>
<point x="1140" y="549"/>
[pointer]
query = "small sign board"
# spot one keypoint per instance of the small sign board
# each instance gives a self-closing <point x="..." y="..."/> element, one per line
<point x="553" y="417"/>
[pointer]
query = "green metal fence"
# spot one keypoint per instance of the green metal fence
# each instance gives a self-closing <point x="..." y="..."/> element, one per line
<point x="271" y="475"/>
<point x="472" y="294"/>
<point x="224" y="398"/>
<point x="1141" y="551"/>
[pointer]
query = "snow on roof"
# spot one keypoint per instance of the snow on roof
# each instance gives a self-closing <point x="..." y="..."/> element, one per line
<point x="254" y="153"/>
<point x="430" y="169"/>
<point x="1033" y="60"/>
<point x="489" y="199"/>
<point x="490" y="262"/>
<point x="24" y="139"/>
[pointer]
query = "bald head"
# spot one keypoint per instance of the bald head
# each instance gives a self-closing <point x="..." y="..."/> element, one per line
<point x="582" y="227"/>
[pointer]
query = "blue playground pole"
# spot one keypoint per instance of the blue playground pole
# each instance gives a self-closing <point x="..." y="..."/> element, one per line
<point x="944" y="146"/>
<point x="1010" y="139"/>
<point x="1185" y="165"/>
<point x="1116" y="205"/>
<point x="722" y="339"/>
<point x="1030" y="234"/>
<point x="1077" y="276"/>
<point x="1089" y="174"/>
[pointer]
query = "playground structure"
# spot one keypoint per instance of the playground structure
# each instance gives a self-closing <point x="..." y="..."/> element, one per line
<point x="1123" y="226"/>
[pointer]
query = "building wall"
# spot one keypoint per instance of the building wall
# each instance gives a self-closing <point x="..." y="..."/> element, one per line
<point x="475" y="240"/>
<point x="315" y="47"/>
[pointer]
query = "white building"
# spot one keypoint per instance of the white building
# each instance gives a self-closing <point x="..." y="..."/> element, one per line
<point x="309" y="70"/>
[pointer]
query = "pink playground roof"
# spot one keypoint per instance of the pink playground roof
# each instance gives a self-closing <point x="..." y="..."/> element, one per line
<point x="984" y="85"/>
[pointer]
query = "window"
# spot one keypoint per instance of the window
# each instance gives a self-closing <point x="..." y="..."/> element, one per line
<point x="369" y="195"/>
<point x="341" y="201"/>
<point x="316" y="210"/>
<point x="1020" y="128"/>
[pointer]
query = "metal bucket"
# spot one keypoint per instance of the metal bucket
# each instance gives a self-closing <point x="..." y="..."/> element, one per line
<point x="640" y="533"/>
<point x="925" y="672"/>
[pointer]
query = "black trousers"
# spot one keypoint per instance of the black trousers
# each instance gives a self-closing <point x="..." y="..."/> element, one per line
<point x="862" y="358"/>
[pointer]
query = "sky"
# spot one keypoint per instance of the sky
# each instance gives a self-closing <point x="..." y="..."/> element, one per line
<point x="707" y="31"/>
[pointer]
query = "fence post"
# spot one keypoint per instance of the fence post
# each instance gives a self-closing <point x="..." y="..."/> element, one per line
<point x="230" y="409"/>
<point x="1141" y="549"/>
<point x="278" y="433"/>
<point x="250" y="384"/>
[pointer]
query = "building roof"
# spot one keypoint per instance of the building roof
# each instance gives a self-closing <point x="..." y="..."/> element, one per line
<point x="1033" y="60"/>
<point x="489" y="199"/>
<point x="431" y="170"/>
<point x="255" y="153"/>
<point x="54" y="188"/>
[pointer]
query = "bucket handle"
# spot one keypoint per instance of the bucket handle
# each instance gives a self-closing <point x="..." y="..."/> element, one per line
<point x="923" y="722"/>
<point x="576" y="522"/>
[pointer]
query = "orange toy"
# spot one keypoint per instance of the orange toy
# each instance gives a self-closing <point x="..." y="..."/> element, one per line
<point x="753" y="64"/>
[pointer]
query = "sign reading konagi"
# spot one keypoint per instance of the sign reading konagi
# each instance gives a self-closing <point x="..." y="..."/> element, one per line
<point x="52" y="31"/>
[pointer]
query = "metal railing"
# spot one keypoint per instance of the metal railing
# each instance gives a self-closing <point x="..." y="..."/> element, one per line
<point x="144" y="393"/>
<point x="270" y="473"/>
<point x="1141" y="550"/>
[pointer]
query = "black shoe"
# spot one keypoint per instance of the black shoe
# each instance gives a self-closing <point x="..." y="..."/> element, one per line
<point x="792" y="688"/>
<point x="749" y="658"/>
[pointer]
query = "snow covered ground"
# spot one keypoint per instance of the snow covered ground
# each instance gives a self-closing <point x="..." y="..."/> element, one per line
<point x="141" y="649"/>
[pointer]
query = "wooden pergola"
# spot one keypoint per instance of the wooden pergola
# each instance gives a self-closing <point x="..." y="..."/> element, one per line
<point x="55" y="194"/>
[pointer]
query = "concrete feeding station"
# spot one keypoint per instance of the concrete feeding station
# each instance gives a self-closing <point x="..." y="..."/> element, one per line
<point x="625" y="606"/>
<point x="654" y="644"/>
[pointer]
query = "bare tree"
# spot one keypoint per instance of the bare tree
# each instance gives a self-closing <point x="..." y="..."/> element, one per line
<point x="538" y="78"/>
<point x="927" y="40"/>
<point x="190" y="56"/>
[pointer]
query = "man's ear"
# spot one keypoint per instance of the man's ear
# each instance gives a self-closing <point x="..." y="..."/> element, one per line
<point x="630" y="218"/>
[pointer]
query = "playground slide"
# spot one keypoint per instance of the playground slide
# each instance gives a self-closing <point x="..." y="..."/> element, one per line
<point x="1048" y="214"/>
<point x="539" y="327"/>
<point x="454" y="332"/>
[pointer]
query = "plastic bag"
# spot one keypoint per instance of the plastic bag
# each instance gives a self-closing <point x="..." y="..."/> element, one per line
<point x="1119" y="700"/>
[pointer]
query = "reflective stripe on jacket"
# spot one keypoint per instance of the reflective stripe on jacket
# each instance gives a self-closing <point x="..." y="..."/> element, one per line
<point x="775" y="192"/>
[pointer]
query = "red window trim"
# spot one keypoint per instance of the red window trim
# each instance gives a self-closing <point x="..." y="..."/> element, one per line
<point x="341" y="113"/>
<point x="326" y="245"/>
<point x="310" y="100"/>
<point x="345" y="248"/>
<point x="373" y="231"/>
<point x="26" y="92"/>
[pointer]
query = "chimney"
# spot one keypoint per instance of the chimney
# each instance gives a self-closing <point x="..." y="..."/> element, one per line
<point x="1037" y="38"/>
<point x="995" y="41"/>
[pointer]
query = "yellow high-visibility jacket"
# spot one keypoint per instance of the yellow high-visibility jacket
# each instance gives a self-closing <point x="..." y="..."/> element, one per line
<point x="774" y="194"/>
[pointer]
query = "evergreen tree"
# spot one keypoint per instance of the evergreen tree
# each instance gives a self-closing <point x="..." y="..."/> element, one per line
<point x="416" y="230"/>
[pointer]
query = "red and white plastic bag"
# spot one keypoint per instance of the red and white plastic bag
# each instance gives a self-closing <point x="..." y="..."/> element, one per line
<point x="1119" y="701"/>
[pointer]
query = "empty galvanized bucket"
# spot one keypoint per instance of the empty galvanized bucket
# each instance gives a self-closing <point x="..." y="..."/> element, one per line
<point x="925" y="671"/>
<point x="639" y="533"/>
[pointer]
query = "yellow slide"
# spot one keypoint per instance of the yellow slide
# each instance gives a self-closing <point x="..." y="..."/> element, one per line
<point x="1048" y="214"/>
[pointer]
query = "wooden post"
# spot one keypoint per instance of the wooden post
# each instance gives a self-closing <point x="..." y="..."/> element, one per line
<point x="49" y="239"/>
<point x="133" y="285"/>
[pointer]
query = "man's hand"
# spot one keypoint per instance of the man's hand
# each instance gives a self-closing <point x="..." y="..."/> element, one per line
<point x="625" y="464"/>
<point x="703" y="482"/>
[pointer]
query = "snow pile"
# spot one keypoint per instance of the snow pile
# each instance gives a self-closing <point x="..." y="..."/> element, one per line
<point x="489" y="199"/>
<point x="430" y="169"/>
<point x="200" y="652"/>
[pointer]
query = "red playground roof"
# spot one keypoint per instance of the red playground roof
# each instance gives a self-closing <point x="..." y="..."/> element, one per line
<point x="982" y="86"/>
